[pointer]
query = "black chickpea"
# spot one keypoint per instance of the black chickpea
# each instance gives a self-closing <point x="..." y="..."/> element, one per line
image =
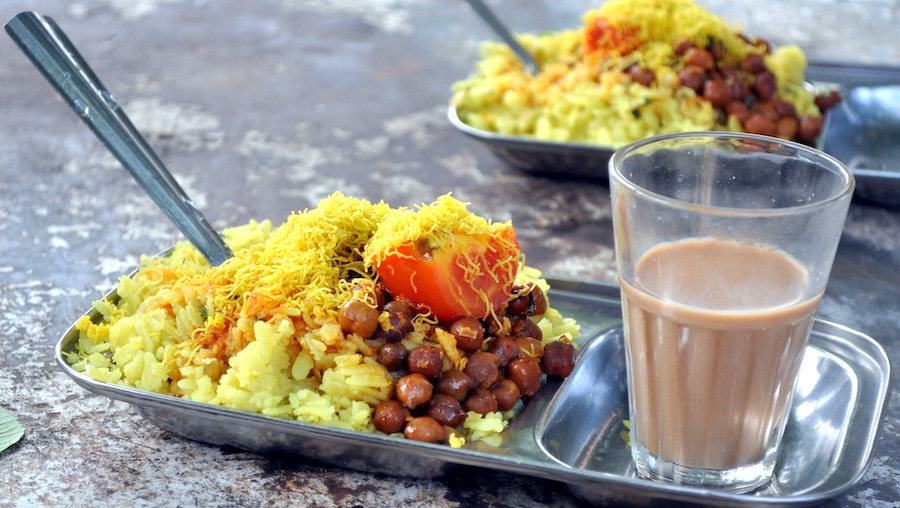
<point x="701" y="58"/>
<point x="506" y="393"/>
<point x="787" y="127"/>
<point x="767" y="109"/>
<point x="392" y="355"/>
<point x="531" y="302"/>
<point x="469" y="334"/>
<point x="455" y="383"/>
<point x="759" y="123"/>
<point x="525" y="372"/>
<point x="810" y="128"/>
<point x="484" y="369"/>
<point x="358" y="317"/>
<point x="425" y="360"/>
<point x="765" y="85"/>
<point x="524" y="327"/>
<point x="682" y="47"/>
<point x="692" y="77"/>
<point x="400" y="316"/>
<point x="519" y="305"/>
<point x="753" y="63"/>
<point x="425" y="429"/>
<point x="446" y="410"/>
<point x="496" y="325"/>
<point x="399" y="307"/>
<point x="539" y="304"/>
<point x="641" y="75"/>
<point x="413" y="390"/>
<point x="529" y="346"/>
<point x="784" y="108"/>
<point x="376" y="289"/>
<point x="740" y="89"/>
<point x="559" y="358"/>
<point x="481" y="401"/>
<point x="728" y="72"/>
<point x="739" y="110"/>
<point x="390" y="416"/>
<point x="828" y="100"/>
<point x="505" y="348"/>
<point x="717" y="92"/>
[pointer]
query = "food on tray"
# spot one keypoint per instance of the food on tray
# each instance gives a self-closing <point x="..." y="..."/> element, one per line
<point x="418" y="322"/>
<point x="638" y="68"/>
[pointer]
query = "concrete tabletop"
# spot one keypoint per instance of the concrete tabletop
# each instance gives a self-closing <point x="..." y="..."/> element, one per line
<point x="263" y="108"/>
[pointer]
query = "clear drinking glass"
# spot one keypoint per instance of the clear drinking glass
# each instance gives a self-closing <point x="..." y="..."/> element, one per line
<point x="724" y="244"/>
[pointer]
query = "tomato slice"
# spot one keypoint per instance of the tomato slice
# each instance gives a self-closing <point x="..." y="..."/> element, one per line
<point x="455" y="276"/>
<point x="600" y="35"/>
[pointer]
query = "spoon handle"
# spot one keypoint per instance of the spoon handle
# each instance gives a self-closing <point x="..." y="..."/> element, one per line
<point x="54" y="55"/>
<point x="487" y="14"/>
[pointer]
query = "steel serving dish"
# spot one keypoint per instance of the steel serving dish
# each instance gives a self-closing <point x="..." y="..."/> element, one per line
<point x="862" y="132"/>
<point x="571" y="431"/>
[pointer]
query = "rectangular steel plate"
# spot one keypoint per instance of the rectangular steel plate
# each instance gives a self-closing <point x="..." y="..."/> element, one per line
<point x="863" y="132"/>
<point x="833" y="428"/>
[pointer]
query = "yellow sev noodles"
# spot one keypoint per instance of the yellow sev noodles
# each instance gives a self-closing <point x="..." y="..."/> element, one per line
<point x="588" y="97"/>
<point x="260" y="332"/>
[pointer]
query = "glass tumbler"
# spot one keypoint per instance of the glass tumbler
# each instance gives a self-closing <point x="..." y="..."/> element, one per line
<point x="724" y="244"/>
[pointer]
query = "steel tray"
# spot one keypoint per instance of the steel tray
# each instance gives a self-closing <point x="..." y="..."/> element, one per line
<point x="862" y="132"/>
<point x="571" y="431"/>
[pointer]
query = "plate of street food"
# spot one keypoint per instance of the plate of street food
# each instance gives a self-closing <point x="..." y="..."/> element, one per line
<point x="636" y="69"/>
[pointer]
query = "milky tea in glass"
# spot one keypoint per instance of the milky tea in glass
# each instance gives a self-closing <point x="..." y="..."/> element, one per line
<point x="724" y="244"/>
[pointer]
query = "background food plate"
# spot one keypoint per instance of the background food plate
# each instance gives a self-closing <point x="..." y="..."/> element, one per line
<point x="558" y="436"/>
<point x="548" y="158"/>
<point x="862" y="132"/>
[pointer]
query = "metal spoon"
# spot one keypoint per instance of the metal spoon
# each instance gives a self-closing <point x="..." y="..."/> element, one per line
<point x="487" y="14"/>
<point x="54" y="55"/>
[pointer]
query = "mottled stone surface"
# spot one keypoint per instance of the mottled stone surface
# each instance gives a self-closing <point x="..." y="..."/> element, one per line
<point x="260" y="108"/>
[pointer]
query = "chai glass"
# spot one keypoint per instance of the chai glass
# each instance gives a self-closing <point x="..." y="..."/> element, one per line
<point x="724" y="244"/>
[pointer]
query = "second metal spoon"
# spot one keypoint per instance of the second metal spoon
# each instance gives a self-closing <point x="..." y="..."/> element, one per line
<point x="488" y="15"/>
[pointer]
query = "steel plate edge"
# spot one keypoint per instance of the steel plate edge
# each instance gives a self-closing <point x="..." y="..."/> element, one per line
<point x="547" y="468"/>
